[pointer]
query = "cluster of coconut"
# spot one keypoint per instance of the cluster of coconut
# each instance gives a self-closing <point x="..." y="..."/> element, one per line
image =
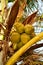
<point x="21" y="34"/>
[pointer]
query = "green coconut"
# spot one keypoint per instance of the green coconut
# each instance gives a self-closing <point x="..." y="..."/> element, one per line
<point x="25" y="38"/>
<point x="15" y="37"/>
<point x="19" y="27"/>
<point x="29" y="29"/>
<point x="20" y="44"/>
